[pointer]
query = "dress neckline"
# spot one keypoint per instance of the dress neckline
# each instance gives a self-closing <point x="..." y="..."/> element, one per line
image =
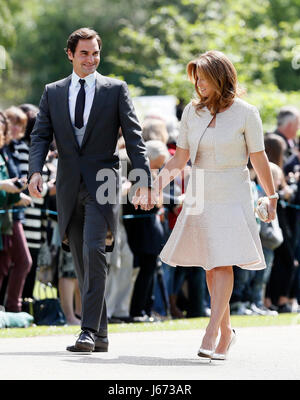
<point x="227" y="109"/>
<point x="217" y="116"/>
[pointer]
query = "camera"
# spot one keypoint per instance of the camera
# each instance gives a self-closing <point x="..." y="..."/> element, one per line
<point x="19" y="183"/>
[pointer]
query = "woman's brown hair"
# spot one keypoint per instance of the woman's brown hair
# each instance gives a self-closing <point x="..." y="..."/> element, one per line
<point x="219" y="71"/>
<point x="16" y="116"/>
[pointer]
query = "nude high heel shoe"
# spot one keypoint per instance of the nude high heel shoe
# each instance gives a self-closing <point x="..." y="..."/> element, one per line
<point x="205" y="353"/>
<point x="220" y="356"/>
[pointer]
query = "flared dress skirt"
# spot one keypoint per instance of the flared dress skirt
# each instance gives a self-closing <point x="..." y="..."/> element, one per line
<point x="217" y="225"/>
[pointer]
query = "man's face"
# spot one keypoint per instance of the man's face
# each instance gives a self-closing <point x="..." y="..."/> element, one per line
<point x="86" y="57"/>
<point x="291" y="128"/>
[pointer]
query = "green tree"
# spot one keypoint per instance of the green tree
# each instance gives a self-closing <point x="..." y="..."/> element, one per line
<point x="8" y="9"/>
<point x="43" y="29"/>
<point x="8" y="34"/>
<point x="149" y="42"/>
<point x="286" y="16"/>
<point x="251" y="33"/>
<point x="177" y="32"/>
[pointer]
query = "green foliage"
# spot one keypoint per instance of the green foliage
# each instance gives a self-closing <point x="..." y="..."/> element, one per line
<point x="149" y="43"/>
<point x="242" y="321"/>
<point x="43" y="30"/>
<point x="8" y="9"/>
<point x="8" y="35"/>
<point x="269" y="99"/>
<point x="177" y="33"/>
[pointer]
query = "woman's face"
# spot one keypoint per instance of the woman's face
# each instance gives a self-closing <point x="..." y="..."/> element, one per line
<point x="17" y="131"/>
<point x="205" y="87"/>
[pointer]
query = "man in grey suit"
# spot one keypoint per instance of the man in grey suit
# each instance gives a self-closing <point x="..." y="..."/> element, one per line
<point x="85" y="112"/>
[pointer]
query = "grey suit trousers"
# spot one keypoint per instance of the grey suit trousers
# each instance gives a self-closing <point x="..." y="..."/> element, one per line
<point x="87" y="233"/>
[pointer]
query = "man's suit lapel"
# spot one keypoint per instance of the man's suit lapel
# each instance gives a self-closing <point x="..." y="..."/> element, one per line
<point x="99" y="98"/>
<point x="63" y="104"/>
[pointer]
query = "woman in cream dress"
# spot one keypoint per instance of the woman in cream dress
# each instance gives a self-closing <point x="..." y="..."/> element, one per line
<point x="216" y="228"/>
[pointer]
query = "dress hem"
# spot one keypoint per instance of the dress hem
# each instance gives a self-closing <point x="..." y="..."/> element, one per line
<point x="249" y="266"/>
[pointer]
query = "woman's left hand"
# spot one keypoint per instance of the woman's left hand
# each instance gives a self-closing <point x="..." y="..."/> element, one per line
<point x="271" y="210"/>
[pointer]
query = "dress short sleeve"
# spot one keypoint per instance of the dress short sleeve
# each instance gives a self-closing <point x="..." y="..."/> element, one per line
<point x="182" y="140"/>
<point x="254" y="131"/>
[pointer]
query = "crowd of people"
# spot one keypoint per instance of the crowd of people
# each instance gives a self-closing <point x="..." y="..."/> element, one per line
<point x="140" y="287"/>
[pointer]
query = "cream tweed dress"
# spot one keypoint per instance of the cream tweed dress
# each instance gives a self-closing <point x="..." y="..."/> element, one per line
<point x="217" y="225"/>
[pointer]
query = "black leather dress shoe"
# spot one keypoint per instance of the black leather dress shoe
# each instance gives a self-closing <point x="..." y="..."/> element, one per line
<point x="101" y="344"/>
<point x="85" y="342"/>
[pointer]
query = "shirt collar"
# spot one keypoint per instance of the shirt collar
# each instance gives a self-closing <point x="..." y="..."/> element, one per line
<point x="90" y="79"/>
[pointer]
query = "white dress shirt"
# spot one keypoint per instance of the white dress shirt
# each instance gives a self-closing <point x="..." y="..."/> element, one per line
<point x="74" y="88"/>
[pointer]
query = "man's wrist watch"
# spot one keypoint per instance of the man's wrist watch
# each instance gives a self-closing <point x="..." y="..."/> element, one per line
<point x="274" y="196"/>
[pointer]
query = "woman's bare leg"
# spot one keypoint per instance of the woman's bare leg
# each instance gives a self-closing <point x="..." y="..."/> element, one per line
<point x="225" y="325"/>
<point x="66" y="291"/>
<point x="220" y="285"/>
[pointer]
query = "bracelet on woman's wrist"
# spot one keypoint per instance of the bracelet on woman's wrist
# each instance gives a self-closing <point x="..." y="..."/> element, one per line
<point x="274" y="196"/>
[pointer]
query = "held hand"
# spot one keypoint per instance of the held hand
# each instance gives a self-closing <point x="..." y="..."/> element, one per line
<point x="35" y="186"/>
<point x="145" y="198"/>
<point x="158" y="198"/>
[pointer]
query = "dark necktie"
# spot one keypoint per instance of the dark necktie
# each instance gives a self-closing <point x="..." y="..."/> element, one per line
<point x="79" y="107"/>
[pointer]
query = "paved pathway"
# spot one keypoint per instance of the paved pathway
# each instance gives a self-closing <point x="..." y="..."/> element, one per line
<point x="260" y="353"/>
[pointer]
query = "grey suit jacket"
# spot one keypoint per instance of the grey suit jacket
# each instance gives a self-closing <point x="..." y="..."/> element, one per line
<point x="111" y="109"/>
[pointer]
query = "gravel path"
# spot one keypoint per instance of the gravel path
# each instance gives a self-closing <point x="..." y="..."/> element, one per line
<point x="260" y="353"/>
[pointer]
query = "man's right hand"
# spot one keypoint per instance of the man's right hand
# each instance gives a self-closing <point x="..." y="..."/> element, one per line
<point x="35" y="186"/>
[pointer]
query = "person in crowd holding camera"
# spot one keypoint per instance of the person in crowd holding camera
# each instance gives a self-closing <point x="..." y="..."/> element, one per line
<point x="35" y="219"/>
<point x="13" y="249"/>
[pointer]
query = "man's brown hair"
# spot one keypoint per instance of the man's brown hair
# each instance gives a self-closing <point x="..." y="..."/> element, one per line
<point x="82" y="34"/>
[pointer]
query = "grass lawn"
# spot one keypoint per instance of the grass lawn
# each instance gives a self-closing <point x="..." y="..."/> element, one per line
<point x="179" y="324"/>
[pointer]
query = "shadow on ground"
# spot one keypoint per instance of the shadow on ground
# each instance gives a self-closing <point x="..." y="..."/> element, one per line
<point x="87" y="358"/>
